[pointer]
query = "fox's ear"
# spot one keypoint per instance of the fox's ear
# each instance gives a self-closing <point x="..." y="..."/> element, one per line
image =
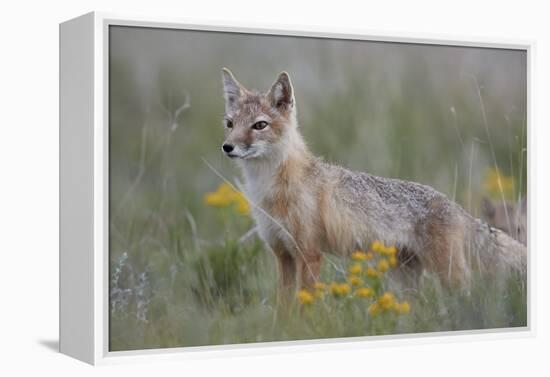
<point x="488" y="209"/>
<point x="232" y="89"/>
<point x="281" y="93"/>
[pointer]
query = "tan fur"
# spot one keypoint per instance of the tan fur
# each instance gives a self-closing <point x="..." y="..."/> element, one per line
<point x="336" y="222"/>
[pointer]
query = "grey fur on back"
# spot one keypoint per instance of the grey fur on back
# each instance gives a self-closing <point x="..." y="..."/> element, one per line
<point x="391" y="207"/>
<point x="400" y="212"/>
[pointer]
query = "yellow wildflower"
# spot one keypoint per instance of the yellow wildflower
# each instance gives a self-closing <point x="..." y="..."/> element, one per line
<point x="391" y="250"/>
<point x="355" y="280"/>
<point x="372" y="273"/>
<point x="380" y="248"/>
<point x="359" y="256"/>
<point x="374" y="309"/>
<point x="377" y="246"/>
<point x="225" y="189"/>
<point x="214" y="199"/>
<point x="402" y="307"/>
<point x="355" y="269"/>
<point x="225" y="196"/>
<point x="386" y="301"/>
<point x="340" y="290"/>
<point x="364" y="292"/>
<point x="305" y="297"/>
<point x="369" y="255"/>
<point x="334" y="288"/>
<point x="496" y="184"/>
<point x="383" y="266"/>
<point x="320" y="286"/>
<point x="392" y="261"/>
<point x="345" y="288"/>
<point x="242" y="205"/>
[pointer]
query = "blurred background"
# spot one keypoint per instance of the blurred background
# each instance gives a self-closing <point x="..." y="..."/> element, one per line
<point x="184" y="272"/>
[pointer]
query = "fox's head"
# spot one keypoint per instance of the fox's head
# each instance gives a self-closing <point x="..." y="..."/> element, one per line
<point x="257" y="124"/>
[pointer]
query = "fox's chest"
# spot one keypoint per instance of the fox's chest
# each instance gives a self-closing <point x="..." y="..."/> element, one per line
<point x="273" y="230"/>
<point x="284" y="216"/>
<point x="284" y="204"/>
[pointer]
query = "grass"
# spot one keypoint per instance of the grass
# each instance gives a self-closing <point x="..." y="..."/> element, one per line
<point x="189" y="292"/>
<point x="186" y="273"/>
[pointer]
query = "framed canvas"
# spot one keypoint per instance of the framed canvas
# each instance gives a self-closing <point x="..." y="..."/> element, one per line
<point x="229" y="189"/>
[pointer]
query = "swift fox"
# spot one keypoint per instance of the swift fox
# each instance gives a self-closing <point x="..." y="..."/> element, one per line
<point x="305" y="207"/>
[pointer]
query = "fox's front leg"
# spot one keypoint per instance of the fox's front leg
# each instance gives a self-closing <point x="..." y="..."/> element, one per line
<point x="286" y="272"/>
<point x="308" y="268"/>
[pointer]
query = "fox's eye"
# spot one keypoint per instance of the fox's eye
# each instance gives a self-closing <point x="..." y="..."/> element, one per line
<point x="228" y="123"/>
<point x="259" y="125"/>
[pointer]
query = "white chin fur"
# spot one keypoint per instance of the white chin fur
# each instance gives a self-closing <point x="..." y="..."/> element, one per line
<point x="255" y="151"/>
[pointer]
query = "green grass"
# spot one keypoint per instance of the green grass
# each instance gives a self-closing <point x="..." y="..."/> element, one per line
<point x="224" y="293"/>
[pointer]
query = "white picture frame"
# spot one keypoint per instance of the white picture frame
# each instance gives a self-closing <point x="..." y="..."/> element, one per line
<point x="84" y="192"/>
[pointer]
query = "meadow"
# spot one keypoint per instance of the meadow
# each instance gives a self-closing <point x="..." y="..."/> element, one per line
<point x="186" y="266"/>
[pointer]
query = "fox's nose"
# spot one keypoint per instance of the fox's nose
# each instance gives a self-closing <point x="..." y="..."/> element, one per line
<point x="227" y="148"/>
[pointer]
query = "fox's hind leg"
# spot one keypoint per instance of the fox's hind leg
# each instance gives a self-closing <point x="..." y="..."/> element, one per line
<point x="286" y="272"/>
<point x="444" y="245"/>
<point x="448" y="255"/>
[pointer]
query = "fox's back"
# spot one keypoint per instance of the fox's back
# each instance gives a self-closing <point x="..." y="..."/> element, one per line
<point x="377" y="208"/>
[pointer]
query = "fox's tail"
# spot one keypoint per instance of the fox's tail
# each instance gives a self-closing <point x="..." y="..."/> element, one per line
<point x="494" y="250"/>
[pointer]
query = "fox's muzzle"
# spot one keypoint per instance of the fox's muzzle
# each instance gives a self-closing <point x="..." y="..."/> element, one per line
<point x="227" y="148"/>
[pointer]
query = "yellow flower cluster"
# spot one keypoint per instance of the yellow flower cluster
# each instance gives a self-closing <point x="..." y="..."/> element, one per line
<point x="320" y="286"/>
<point x="305" y="297"/>
<point x="390" y="252"/>
<point x="355" y="269"/>
<point x="361" y="256"/>
<point x="364" y="292"/>
<point x="497" y="184"/>
<point x="367" y="267"/>
<point x="226" y="196"/>
<point x="383" y="266"/>
<point x="385" y="258"/>
<point x="372" y="273"/>
<point x="320" y="289"/>
<point x="386" y="302"/>
<point x="340" y="289"/>
<point x="356" y="281"/>
<point x="382" y="249"/>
